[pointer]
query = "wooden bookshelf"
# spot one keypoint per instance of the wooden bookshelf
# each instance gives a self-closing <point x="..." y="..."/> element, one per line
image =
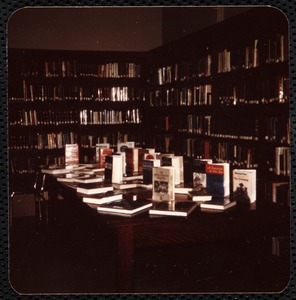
<point x="223" y="93"/>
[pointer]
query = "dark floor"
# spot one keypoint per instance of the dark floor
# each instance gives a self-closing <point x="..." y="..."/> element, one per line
<point x="71" y="256"/>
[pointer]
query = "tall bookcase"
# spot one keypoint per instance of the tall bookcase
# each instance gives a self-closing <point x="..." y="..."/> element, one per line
<point x="223" y="93"/>
<point x="59" y="97"/>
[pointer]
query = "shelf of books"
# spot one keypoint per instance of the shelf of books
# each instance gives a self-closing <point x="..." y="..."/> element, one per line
<point x="223" y="94"/>
<point x="67" y="97"/>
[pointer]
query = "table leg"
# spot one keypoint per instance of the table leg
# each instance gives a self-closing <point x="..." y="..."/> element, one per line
<point x="125" y="259"/>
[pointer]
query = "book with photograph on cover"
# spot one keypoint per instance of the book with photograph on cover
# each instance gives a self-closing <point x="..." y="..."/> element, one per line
<point x="244" y="185"/>
<point x="163" y="183"/>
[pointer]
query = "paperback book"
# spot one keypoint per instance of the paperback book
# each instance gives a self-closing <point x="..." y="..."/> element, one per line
<point x="173" y="208"/>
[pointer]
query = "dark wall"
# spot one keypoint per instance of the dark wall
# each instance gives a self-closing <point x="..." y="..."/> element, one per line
<point x="105" y="29"/>
<point x="108" y="28"/>
<point x="181" y="21"/>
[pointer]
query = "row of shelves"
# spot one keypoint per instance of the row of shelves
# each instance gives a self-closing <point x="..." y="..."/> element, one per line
<point x="260" y="53"/>
<point x="53" y="92"/>
<point x="223" y="93"/>
<point x="36" y="117"/>
<point x="60" y="68"/>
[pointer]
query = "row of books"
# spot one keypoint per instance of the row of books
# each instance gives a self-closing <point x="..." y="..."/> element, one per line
<point x="34" y="117"/>
<point x="274" y="129"/>
<point x="277" y="129"/>
<point x="267" y="91"/>
<point x="217" y="126"/>
<point x="61" y="92"/>
<point x="275" y="90"/>
<point x="185" y="70"/>
<point x="187" y="96"/>
<point x="53" y="140"/>
<point x="257" y="53"/>
<point x="163" y="197"/>
<point x="274" y="50"/>
<point x="130" y="116"/>
<point x="67" y="68"/>
<point x="21" y="165"/>
<point x="282" y="161"/>
<point x="237" y="155"/>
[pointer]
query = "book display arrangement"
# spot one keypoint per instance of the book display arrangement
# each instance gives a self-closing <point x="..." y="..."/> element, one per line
<point x="211" y="102"/>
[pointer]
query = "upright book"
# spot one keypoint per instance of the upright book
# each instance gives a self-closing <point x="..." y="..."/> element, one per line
<point x="177" y="163"/>
<point x="71" y="155"/>
<point x="199" y="172"/>
<point x="101" y="153"/>
<point x="113" y="168"/>
<point x="173" y="208"/>
<point x="244" y="184"/>
<point x="218" y="179"/>
<point x="163" y="183"/>
<point x="148" y="165"/>
<point x="125" y="207"/>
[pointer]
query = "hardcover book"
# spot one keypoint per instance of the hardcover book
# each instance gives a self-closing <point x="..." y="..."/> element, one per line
<point x="163" y="183"/>
<point x="199" y="195"/>
<point x="88" y="179"/>
<point x="113" y="168"/>
<point x="148" y="165"/>
<point x="71" y="155"/>
<point x="55" y="170"/>
<point x="218" y="203"/>
<point x="125" y="207"/>
<point x="68" y="177"/>
<point x="132" y="161"/>
<point x="244" y="185"/>
<point x="93" y="188"/>
<point x="101" y="153"/>
<point x="177" y="163"/>
<point x="218" y="179"/>
<point x="103" y="197"/>
<point x="173" y="208"/>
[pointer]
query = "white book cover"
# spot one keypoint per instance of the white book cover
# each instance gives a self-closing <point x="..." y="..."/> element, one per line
<point x="163" y="183"/>
<point x="244" y="184"/>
